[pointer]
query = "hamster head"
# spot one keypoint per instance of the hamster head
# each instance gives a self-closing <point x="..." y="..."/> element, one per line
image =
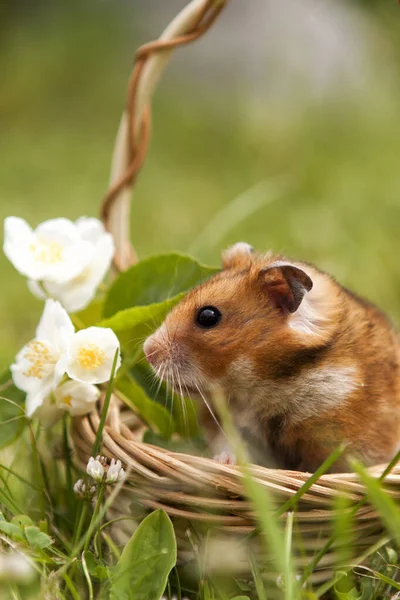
<point x="237" y="327"/>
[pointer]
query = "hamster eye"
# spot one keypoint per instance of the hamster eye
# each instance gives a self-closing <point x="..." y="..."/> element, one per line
<point x="208" y="316"/>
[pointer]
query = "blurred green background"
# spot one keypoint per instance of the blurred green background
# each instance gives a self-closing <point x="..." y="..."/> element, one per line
<point x="302" y="151"/>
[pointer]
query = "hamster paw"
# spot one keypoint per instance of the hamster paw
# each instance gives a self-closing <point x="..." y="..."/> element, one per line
<point x="225" y="458"/>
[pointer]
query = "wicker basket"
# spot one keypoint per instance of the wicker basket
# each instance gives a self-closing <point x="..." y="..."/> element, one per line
<point x="201" y="494"/>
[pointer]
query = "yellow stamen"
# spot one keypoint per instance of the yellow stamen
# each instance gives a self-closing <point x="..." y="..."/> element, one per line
<point x="90" y="357"/>
<point x="67" y="399"/>
<point x="47" y="251"/>
<point x="40" y="357"/>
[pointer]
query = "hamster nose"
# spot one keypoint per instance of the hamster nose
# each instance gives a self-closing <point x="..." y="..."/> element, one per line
<point x="152" y="351"/>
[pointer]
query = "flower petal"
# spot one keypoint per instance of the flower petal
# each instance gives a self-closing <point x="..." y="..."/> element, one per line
<point x="90" y="229"/>
<point x="55" y="325"/>
<point x="36" y="289"/>
<point x="35" y="399"/>
<point x="91" y="355"/>
<point x="18" y="238"/>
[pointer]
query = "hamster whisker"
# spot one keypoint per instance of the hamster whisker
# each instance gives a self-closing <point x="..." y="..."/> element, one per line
<point x="168" y="392"/>
<point x="183" y="403"/>
<point x="210" y="410"/>
<point x="159" y="377"/>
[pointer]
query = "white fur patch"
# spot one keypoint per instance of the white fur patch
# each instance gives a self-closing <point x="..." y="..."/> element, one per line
<point x="318" y="308"/>
<point x="306" y="395"/>
<point x="308" y="318"/>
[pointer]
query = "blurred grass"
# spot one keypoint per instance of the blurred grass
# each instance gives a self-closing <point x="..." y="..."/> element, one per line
<point x="65" y="70"/>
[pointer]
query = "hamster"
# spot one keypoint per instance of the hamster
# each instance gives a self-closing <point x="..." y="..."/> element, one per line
<point x="304" y="363"/>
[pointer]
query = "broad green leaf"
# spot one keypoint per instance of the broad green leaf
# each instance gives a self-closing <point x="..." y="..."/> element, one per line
<point x="241" y="598"/>
<point x="154" y="280"/>
<point x="133" y="325"/>
<point x="146" y="561"/>
<point x="151" y="412"/>
<point x="12" y="415"/>
<point x="36" y="538"/>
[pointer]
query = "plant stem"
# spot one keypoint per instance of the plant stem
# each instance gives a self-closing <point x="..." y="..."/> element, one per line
<point x="87" y="576"/>
<point x="93" y="520"/>
<point x="97" y="443"/>
<point x="68" y="469"/>
<point x="71" y="587"/>
<point x="38" y="473"/>
<point x="80" y="523"/>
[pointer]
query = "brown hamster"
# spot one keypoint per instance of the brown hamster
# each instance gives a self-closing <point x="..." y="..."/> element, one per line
<point x="304" y="363"/>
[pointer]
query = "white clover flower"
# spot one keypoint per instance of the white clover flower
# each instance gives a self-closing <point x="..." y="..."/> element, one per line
<point x="84" y="490"/>
<point x="91" y="354"/>
<point x="76" y="397"/>
<point x="16" y="567"/>
<point x="76" y="293"/>
<point x="54" y="252"/>
<point x="39" y="366"/>
<point x="115" y="472"/>
<point x="95" y="469"/>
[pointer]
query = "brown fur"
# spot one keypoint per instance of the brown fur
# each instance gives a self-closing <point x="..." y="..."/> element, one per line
<point x="300" y="378"/>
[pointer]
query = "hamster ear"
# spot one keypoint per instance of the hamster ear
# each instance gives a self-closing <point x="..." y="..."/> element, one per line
<point x="237" y="256"/>
<point x="285" y="285"/>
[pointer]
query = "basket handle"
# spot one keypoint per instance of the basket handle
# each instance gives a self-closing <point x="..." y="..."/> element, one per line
<point x="134" y="129"/>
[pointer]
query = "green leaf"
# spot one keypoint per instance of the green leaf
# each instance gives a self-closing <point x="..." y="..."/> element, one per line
<point x="154" y="280"/>
<point x="151" y="412"/>
<point x="12" y="530"/>
<point x="96" y="568"/>
<point x="133" y="325"/>
<point x="36" y="538"/>
<point x="12" y="415"/>
<point x="146" y="561"/>
<point x="352" y="594"/>
<point x="22" y="521"/>
<point x="241" y="598"/>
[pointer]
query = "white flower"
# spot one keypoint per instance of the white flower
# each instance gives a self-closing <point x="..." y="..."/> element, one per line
<point x="54" y="252"/>
<point x="76" y="397"/>
<point x="115" y="472"/>
<point x="91" y="354"/>
<point x="40" y="364"/>
<point x="72" y="396"/>
<point x="76" y="293"/>
<point x="15" y="567"/>
<point x="95" y="469"/>
<point x="84" y="490"/>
